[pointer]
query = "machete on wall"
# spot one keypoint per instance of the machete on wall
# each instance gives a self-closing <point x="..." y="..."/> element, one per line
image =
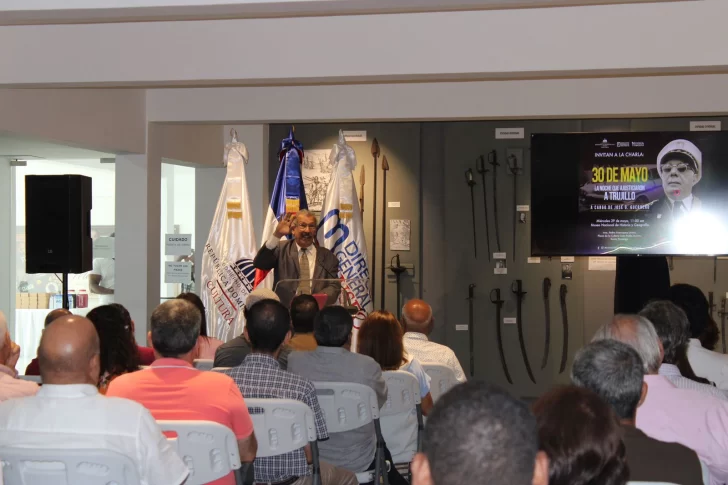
<point x="495" y="298"/>
<point x="547" y="321"/>
<point x="517" y="289"/>
<point x="565" y="323"/>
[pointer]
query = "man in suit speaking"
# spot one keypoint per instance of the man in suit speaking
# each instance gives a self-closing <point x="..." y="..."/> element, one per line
<point x="299" y="259"/>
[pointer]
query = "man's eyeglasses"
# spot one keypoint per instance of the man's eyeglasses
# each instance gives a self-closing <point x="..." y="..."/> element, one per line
<point x="681" y="168"/>
<point x="307" y="226"/>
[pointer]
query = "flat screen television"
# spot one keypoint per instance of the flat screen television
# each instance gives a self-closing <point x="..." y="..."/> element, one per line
<point x="636" y="193"/>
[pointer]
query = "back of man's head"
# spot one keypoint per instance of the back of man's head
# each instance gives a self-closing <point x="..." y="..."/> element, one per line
<point x="303" y="311"/>
<point x="637" y="332"/>
<point x="480" y="432"/>
<point x="417" y="317"/>
<point x="267" y="325"/>
<point x="55" y="314"/>
<point x="672" y="326"/>
<point x="69" y="352"/>
<point x="612" y="370"/>
<point x="332" y="327"/>
<point x="175" y="328"/>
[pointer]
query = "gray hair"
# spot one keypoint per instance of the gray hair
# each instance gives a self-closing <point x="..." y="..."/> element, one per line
<point x="614" y="371"/>
<point x="672" y="326"/>
<point x="305" y="213"/>
<point x="641" y="336"/>
<point x="175" y="327"/>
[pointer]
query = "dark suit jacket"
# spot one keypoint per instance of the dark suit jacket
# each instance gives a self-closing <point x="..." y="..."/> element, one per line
<point x="284" y="261"/>
<point x="651" y="460"/>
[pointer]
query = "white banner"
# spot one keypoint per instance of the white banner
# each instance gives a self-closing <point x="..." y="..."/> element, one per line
<point x="341" y="230"/>
<point x="227" y="261"/>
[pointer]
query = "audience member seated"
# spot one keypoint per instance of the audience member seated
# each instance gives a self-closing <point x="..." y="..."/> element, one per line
<point x="418" y="324"/>
<point x="172" y="389"/>
<point x="671" y="324"/>
<point x="146" y="354"/>
<point x="268" y="328"/>
<point x="232" y="353"/>
<point x="69" y="413"/>
<point x="615" y="372"/>
<point x="10" y="386"/>
<point x="582" y="437"/>
<point x="207" y="345"/>
<point x="33" y="369"/>
<point x="704" y="335"/>
<point x="332" y="362"/>
<point x="380" y="337"/>
<point x="479" y="433"/>
<point x="684" y="416"/>
<point x="303" y="311"/>
<point x="119" y="353"/>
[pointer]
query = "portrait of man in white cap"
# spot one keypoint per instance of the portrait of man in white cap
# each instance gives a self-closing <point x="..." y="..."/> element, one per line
<point x="680" y="165"/>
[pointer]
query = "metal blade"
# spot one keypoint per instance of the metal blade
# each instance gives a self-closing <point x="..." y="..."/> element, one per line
<point x="547" y="321"/>
<point x="498" y="305"/>
<point x="520" y="294"/>
<point x="493" y="160"/>
<point x="482" y="170"/>
<point x="565" y="322"/>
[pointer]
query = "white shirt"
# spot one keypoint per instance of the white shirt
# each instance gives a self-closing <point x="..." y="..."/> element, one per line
<point x="104" y="267"/>
<point x="273" y="242"/>
<point x="417" y="345"/>
<point x="76" y="416"/>
<point x="11" y="387"/>
<point x="706" y="363"/>
<point x="672" y="374"/>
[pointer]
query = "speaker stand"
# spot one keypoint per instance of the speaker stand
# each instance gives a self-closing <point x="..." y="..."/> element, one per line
<point x="64" y="283"/>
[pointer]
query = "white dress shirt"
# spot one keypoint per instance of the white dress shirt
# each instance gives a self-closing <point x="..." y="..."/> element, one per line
<point x="273" y="242"/>
<point x="687" y="204"/>
<point x="706" y="363"/>
<point x="11" y="387"/>
<point x="672" y="374"/>
<point x="417" y="345"/>
<point x="76" y="416"/>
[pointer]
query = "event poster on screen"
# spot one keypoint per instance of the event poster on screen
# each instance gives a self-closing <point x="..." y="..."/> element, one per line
<point x="631" y="193"/>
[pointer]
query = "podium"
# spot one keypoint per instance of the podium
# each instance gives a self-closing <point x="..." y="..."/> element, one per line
<point x="351" y="294"/>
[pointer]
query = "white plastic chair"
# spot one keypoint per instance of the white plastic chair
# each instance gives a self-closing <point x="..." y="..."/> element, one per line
<point x="204" y="364"/>
<point x="282" y="426"/>
<point x="220" y="369"/>
<point x="443" y="378"/>
<point x="209" y="449"/>
<point x="347" y="406"/>
<point x="36" y="379"/>
<point x="27" y="466"/>
<point x="403" y="396"/>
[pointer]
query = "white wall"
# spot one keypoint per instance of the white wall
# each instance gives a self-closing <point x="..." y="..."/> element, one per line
<point x="491" y="44"/>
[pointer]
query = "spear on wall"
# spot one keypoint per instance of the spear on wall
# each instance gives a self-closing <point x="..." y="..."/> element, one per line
<point x="375" y="155"/>
<point x="362" y="181"/>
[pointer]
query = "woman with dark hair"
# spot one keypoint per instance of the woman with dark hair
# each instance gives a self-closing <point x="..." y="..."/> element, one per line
<point x="381" y="338"/>
<point x="206" y="345"/>
<point x="119" y="353"/>
<point x="146" y="354"/>
<point x="704" y="334"/>
<point x="582" y="437"/>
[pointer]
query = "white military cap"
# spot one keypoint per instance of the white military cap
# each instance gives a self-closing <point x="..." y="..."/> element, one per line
<point x="683" y="150"/>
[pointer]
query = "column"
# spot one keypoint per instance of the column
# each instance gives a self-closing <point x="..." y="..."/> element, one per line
<point x="7" y="242"/>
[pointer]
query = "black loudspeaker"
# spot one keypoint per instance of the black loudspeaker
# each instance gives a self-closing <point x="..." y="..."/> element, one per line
<point x="58" y="224"/>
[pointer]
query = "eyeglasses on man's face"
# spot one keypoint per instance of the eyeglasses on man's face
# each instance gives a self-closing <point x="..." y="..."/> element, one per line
<point x="680" y="167"/>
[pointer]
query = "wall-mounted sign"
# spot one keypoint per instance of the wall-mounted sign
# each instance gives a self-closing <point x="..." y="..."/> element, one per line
<point x="603" y="263"/>
<point x="567" y="259"/>
<point x="509" y="133"/>
<point x="177" y="244"/>
<point x="393" y="204"/>
<point x="104" y="247"/>
<point x="178" y="272"/>
<point x="510" y="321"/>
<point x="358" y="135"/>
<point x="705" y="126"/>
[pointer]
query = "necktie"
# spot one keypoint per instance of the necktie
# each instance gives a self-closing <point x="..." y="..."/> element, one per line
<point x="676" y="212"/>
<point x="304" y="285"/>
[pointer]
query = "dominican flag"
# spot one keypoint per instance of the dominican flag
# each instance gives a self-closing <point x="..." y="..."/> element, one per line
<point x="288" y="195"/>
<point x="342" y="232"/>
<point x="227" y="261"/>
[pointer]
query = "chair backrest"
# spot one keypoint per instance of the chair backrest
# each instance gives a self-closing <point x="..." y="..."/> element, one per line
<point x="26" y="466"/>
<point x="346" y="405"/>
<point x="443" y="378"/>
<point x="220" y="369"/>
<point x="403" y="392"/>
<point x="204" y="364"/>
<point x="35" y="379"/>
<point x="210" y="450"/>
<point x="281" y="425"/>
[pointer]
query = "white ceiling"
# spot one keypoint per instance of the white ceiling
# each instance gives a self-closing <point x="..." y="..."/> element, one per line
<point x="20" y="12"/>
<point x="24" y="148"/>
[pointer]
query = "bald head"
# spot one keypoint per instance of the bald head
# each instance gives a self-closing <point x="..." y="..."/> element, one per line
<point x="637" y="332"/>
<point x="69" y="352"/>
<point x="417" y="317"/>
<point x="55" y="314"/>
